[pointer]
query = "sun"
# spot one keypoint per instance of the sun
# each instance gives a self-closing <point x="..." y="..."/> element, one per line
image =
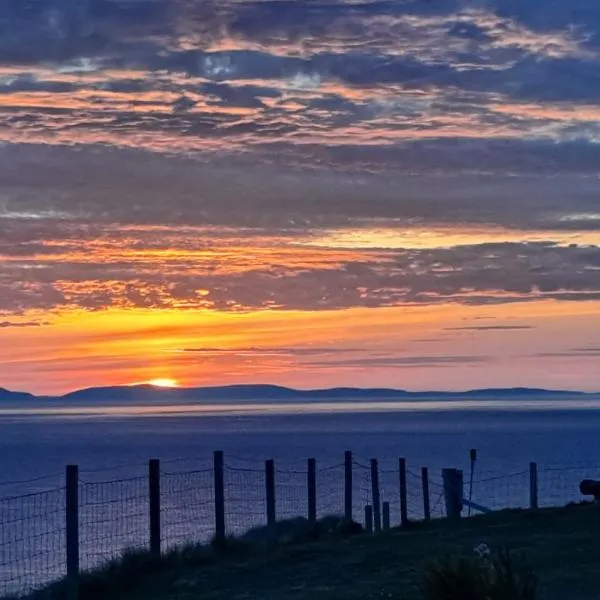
<point x="164" y="382"/>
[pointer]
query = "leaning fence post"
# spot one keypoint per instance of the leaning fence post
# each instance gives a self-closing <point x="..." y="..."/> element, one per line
<point x="348" y="485"/>
<point x="369" y="518"/>
<point x="453" y="492"/>
<point x="72" y="528"/>
<point x="312" y="490"/>
<point x="386" y="516"/>
<point x="533" y="485"/>
<point x="425" y="485"/>
<point x="375" y="495"/>
<point x="154" y="495"/>
<point x="403" y="492"/>
<point x="270" y="489"/>
<point x="219" y="485"/>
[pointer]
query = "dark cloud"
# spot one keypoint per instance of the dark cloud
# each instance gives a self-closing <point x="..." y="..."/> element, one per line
<point x="490" y="328"/>
<point x="398" y="362"/>
<point x="254" y="351"/>
<point x="570" y="354"/>
<point x="127" y="187"/>
<point x="18" y="324"/>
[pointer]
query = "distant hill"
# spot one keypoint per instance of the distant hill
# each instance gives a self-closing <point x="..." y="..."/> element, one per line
<point x="149" y="393"/>
<point x="8" y="395"/>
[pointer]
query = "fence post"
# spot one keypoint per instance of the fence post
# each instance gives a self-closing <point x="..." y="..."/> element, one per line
<point x="348" y="486"/>
<point x="386" y="516"/>
<point x="375" y="495"/>
<point x="453" y="492"/>
<point x="312" y="490"/>
<point x="425" y="485"/>
<point x="154" y="493"/>
<point x="533" y="485"/>
<point x="270" y="489"/>
<point x="403" y="492"/>
<point x="72" y="528"/>
<point x="219" y="484"/>
<point x="369" y="518"/>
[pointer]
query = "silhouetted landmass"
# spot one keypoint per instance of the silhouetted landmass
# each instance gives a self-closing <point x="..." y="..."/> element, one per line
<point x="16" y="396"/>
<point x="149" y="393"/>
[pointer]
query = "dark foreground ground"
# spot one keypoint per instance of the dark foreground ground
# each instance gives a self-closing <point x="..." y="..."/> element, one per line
<point x="562" y="545"/>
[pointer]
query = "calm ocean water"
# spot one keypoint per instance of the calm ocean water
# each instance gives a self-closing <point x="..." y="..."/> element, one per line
<point x="112" y="445"/>
<point x="508" y="434"/>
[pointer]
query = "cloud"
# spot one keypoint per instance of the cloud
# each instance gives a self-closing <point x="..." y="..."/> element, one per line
<point x="591" y="353"/>
<point x="490" y="328"/>
<point x="18" y="324"/>
<point x="261" y="352"/>
<point x="184" y="76"/>
<point x="397" y="362"/>
<point x="219" y="269"/>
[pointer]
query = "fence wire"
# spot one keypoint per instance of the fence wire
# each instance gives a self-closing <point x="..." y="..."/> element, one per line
<point x="187" y="507"/>
<point x="114" y="514"/>
<point x="113" y="517"/>
<point x="32" y="541"/>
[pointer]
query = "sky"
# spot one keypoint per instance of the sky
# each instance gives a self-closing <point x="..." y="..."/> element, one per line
<point x="302" y="192"/>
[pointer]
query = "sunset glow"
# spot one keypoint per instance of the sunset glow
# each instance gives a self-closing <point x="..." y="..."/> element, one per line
<point x="400" y="194"/>
<point x="163" y="382"/>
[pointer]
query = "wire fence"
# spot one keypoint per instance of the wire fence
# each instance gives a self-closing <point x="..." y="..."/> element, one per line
<point x="114" y="515"/>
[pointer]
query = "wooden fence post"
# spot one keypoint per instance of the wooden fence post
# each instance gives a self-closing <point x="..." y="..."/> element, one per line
<point x="348" y="486"/>
<point x="453" y="492"/>
<point x="386" y="516"/>
<point x="426" y="501"/>
<point x="403" y="492"/>
<point x="369" y="518"/>
<point x="154" y="496"/>
<point x="312" y="490"/>
<point x="219" y="485"/>
<point x="375" y="495"/>
<point x="533" y="486"/>
<point x="72" y="529"/>
<point x="270" y="489"/>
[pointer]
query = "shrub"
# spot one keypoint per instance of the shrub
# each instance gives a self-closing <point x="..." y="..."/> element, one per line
<point x="485" y="577"/>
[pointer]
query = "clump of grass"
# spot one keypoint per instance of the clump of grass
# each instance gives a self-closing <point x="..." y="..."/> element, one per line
<point x="484" y="577"/>
<point x="300" y="530"/>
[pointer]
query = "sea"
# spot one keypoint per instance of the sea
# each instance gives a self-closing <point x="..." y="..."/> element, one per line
<point x="112" y="444"/>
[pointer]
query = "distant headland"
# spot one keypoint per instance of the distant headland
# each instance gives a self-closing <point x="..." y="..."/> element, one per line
<point x="150" y="393"/>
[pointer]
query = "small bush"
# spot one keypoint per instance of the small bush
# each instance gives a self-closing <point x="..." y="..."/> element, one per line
<point x="486" y="577"/>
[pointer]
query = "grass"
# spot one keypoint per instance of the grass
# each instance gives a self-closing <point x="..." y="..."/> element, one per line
<point x="560" y="545"/>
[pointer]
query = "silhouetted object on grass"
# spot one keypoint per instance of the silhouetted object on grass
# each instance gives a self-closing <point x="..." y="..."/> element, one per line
<point x="590" y="487"/>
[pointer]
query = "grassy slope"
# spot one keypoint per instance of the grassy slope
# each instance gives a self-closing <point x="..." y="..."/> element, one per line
<point x="562" y="546"/>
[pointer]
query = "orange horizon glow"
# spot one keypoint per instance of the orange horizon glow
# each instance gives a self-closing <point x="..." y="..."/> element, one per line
<point x="305" y="349"/>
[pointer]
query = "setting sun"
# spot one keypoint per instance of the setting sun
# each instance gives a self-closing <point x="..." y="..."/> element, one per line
<point x="164" y="382"/>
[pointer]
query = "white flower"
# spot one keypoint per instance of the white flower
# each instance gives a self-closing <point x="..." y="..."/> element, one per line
<point x="482" y="550"/>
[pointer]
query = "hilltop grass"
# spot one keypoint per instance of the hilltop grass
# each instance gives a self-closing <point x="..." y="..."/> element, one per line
<point x="561" y="545"/>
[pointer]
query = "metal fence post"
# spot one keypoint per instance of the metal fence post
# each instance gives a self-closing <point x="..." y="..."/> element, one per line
<point x="270" y="489"/>
<point x="219" y="489"/>
<point x="375" y="495"/>
<point x="154" y="494"/>
<point x="426" y="501"/>
<point x="312" y="490"/>
<point x="348" y="485"/>
<point x="403" y="492"/>
<point x="72" y="528"/>
<point x="533" y="486"/>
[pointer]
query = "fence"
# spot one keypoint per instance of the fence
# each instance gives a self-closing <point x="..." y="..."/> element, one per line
<point x="45" y="536"/>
